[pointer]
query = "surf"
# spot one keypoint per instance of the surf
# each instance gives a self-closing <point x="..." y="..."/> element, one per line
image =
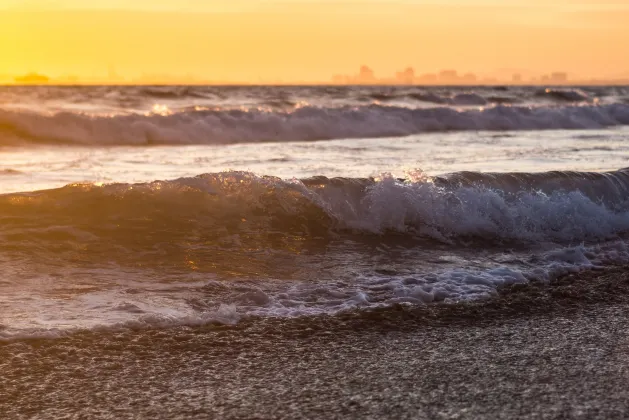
<point x="217" y="126"/>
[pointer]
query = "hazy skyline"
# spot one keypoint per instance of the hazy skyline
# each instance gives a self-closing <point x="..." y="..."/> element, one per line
<point x="307" y="40"/>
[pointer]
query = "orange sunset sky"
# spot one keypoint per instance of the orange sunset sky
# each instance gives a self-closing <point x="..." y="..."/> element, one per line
<point x="309" y="40"/>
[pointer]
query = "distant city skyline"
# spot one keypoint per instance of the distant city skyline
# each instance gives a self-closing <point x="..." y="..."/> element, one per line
<point x="295" y="41"/>
<point x="364" y="75"/>
<point x="409" y="76"/>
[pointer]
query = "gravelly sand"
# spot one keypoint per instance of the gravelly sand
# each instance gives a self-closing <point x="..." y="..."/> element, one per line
<point x="537" y="351"/>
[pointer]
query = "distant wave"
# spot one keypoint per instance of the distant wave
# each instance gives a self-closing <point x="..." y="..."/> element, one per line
<point x="428" y="97"/>
<point x="170" y="92"/>
<point x="483" y="97"/>
<point x="224" y="126"/>
<point x="462" y="99"/>
<point x="468" y="99"/>
<point x="562" y="95"/>
<point x="499" y="100"/>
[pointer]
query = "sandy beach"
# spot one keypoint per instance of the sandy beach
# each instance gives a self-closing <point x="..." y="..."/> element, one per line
<point x="533" y="351"/>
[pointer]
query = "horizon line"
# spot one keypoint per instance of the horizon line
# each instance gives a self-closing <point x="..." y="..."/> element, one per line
<point x="575" y="82"/>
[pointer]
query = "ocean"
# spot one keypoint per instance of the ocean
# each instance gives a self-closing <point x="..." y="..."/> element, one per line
<point x="157" y="207"/>
<point x="155" y="210"/>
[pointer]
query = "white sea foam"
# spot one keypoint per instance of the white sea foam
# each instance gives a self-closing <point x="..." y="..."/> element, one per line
<point x="427" y="209"/>
<point x="450" y="285"/>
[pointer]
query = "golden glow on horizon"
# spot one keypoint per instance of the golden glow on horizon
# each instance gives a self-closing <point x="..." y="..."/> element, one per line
<point x="309" y="40"/>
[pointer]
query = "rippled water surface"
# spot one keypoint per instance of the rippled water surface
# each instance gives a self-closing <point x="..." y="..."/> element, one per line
<point x="160" y="206"/>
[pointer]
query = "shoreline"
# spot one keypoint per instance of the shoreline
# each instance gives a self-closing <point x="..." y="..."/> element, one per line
<point x="532" y="351"/>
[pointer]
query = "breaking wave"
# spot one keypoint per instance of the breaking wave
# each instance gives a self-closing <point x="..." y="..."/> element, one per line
<point x="244" y="210"/>
<point x="221" y="247"/>
<point x="562" y="95"/>
<point x="225" y="126"/>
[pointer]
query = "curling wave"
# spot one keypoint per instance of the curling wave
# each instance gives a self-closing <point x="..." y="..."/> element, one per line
<point x="243" y="210"/>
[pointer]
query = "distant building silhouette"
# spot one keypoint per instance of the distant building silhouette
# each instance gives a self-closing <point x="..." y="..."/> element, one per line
<point x="366" y="75"/>
<point x="555" y="78"/>
<point x="340" y="79"/>
<point x="405" y="77"/>
<point x="32" y="78"/>
<point x="469" y="78"/>
<point x="558" y="77"/>
<point x="68" y="79"/>
<point x="448" y="76"/>
<point x="427" y="79"/>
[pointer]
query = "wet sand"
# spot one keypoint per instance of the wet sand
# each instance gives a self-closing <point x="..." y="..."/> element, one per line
<point x="538" y="351"/>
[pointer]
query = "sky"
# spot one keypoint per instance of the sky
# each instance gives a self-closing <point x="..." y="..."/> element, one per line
<point x="310" y="40"/>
